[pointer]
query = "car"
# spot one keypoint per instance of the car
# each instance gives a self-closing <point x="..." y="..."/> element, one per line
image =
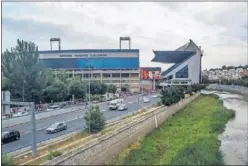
<point x="122" y="107"/>
<point x="53" y="107"/>
<point x="6" y="116"/>
<point x="114" y="104"/>
<point x="56" y="127"/>
<point x="9" y="136"/>
<point x="155" y="96"/>
<point x="20" y="114"/>
<point x="146" y="100"/>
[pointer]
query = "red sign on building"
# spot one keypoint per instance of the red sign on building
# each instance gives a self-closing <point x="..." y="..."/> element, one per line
<point x="150" y="73"/>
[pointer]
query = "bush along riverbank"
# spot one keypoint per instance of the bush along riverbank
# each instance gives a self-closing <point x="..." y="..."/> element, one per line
<point x="189" y="137"/>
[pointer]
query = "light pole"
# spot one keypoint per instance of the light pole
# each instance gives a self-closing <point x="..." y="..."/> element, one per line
<point x="23" y="90"/>
<point x="89" y="90"/>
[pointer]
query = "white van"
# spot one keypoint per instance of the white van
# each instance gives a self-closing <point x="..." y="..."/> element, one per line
<point x="114" y="104"/>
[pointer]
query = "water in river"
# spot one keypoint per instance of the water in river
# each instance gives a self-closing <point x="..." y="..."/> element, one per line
<point x="234" y="140"/>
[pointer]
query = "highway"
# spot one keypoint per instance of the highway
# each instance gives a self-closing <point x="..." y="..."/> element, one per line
<point x="74" y="121"/>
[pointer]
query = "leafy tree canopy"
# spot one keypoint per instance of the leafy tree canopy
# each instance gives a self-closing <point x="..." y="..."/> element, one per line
<point x="22" y="68"/>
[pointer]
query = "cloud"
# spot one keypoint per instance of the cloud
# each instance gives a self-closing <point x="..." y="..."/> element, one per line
<point x="220" y="28"/>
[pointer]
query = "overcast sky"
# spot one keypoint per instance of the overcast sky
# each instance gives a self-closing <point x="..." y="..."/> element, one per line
<point x="219" y="28"/>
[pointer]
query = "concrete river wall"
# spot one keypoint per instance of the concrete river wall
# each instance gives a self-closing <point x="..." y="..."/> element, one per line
<point x="105" y="147"/>
<point x="229" y="88"/>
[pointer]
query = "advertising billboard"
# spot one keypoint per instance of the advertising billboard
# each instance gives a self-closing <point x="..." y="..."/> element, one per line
<point x="150" y="73"/>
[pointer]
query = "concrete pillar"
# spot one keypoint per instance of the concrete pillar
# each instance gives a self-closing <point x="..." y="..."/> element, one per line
<point x="120" y="80"/>
<point x="153" y="87"/>
<point x="5" y="97"/>
<point x="101" y="76"/>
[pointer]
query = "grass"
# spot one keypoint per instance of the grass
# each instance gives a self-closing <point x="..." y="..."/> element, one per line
<point x="189" y="137"/>
<point x="41" y="152"/>
<point x="7" y="160"/>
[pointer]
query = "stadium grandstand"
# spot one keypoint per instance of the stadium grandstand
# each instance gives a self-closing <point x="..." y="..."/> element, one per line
<point x="187" y="65"/>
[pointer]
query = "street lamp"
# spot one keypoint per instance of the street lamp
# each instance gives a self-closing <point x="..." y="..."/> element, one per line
<point x="23" y="90"/>
<point x="89" y="67"/>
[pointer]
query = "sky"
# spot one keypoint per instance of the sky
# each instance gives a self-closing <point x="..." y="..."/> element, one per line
<point x="219" y="28"/>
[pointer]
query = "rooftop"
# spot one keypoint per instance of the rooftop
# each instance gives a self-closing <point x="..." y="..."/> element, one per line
<point x="89" y="51"/>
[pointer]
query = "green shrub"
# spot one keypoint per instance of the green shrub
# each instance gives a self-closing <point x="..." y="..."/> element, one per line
<point x="189" y="90"/>
<point x="159" y="103"/>
<point x="95" y="119"/>
<point x="172" y="95"/>
<point x="7" y="160"/>
<point x="53" y="154"/>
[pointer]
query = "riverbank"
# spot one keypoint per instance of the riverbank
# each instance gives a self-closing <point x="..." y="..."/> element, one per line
<point x="189" y="137"/>
<point x="229" y="88"/>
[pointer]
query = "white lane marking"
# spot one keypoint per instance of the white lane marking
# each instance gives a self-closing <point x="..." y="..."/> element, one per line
<point x="130" y="102"/>
<point x="103" y="110"/>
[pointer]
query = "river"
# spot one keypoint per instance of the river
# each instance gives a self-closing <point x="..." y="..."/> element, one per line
<point x="234" y="140"/>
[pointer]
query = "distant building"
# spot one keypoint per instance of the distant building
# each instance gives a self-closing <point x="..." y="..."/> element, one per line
<point x="187" y="64"/>
<point x="227" y="73"/>
<point x="111" y="66"/>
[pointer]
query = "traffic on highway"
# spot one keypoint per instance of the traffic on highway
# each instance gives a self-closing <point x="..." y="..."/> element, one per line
<point x="61" y="124"/>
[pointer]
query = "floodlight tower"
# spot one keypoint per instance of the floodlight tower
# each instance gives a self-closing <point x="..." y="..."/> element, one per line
<point x="125" y="38"/>
<point x="55" y="40"/>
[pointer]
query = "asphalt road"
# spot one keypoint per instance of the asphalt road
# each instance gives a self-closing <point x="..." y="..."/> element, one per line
<point x="74" y="121"/>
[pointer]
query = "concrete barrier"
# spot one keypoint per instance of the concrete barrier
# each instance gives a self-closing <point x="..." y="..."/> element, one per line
<point x="104" y="148"/>
<point x="229" y="88"/>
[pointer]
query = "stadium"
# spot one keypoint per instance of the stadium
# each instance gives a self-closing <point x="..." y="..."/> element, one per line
<point x="187" y="65"/>
<point x="111" y="66"/>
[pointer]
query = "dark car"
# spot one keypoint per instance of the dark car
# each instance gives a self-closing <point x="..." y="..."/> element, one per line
<point x="56" y="127"/>
<point x="9" y="136"/>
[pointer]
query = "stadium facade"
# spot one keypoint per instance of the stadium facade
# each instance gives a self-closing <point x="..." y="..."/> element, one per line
<point x="187" y="65"/>
<point x="111" y="66"/>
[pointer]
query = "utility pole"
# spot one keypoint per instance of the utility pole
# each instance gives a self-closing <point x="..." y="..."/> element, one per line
<point x="23" y="90"/>
<point x="34" y="146"/>
<point x="89" y="93"/>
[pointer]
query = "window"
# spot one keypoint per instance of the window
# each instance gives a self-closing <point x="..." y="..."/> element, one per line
<point x="183" y="73"/>
<point x="170" y="77"/>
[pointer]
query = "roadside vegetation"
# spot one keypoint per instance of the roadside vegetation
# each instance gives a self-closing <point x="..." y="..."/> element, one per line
<point x="190" y="137"/>
<point x="94" y="120"/>
<point x="22" y="71"/>
<point x="174" y="94"/>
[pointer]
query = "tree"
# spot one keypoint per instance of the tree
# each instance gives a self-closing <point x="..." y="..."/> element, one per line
<point x="96" y="87"/>
<point x="175" y="94"/>
<point x="62" y="76"/>
<point x="224" y="67"/>
<point x="25" y="74"/>
<point x="77" y="89"/>
<point x="103" y="88"/>
<point x="49" y="77"/>
<point x="189" y="90"/>
<point x="112" y="88"/>
<point x="95" y="119"/>
<point x="56" y="92"/>
<point x="166" y="97"/>
<point x="4" y="83"/>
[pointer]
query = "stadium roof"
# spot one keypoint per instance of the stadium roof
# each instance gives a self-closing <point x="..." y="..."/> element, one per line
<point x="89" y="51"/>
<point x="178" y="56"/>
<point x="171" y="56"/>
